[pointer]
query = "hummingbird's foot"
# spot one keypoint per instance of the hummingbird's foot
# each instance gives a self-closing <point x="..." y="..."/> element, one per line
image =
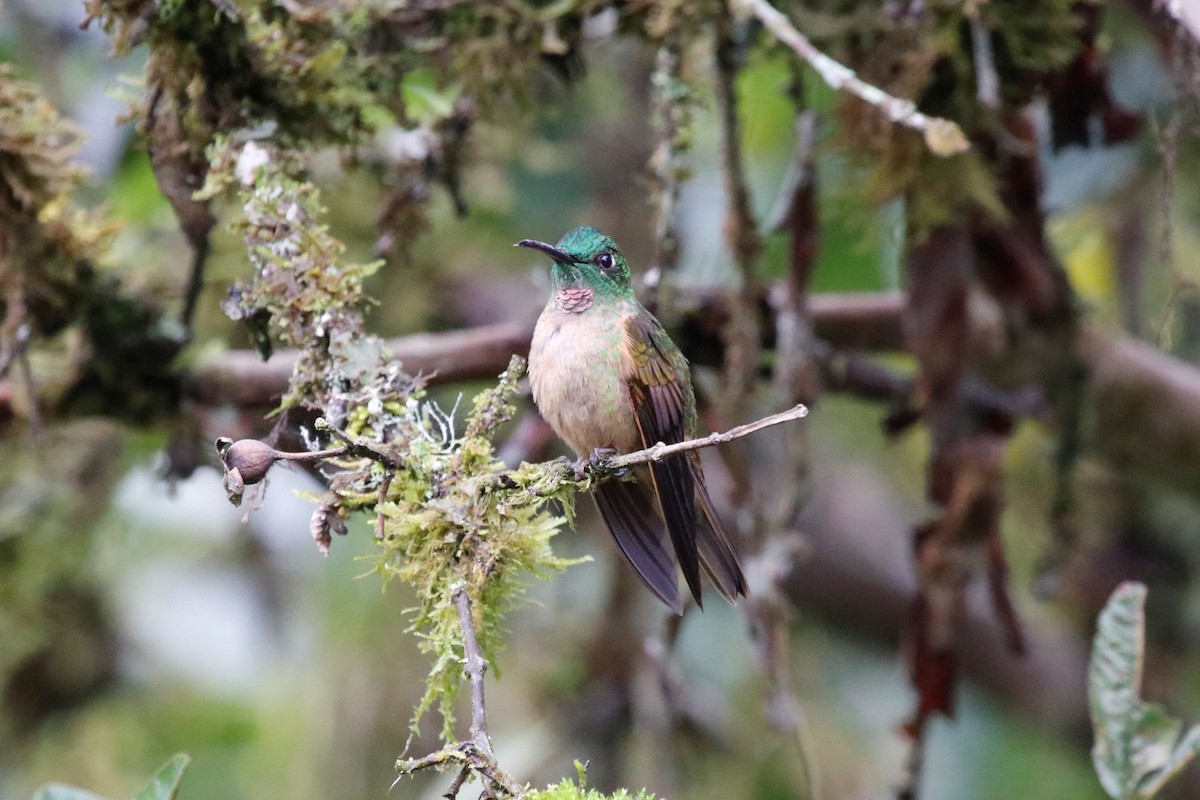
<point x="580" y="468"/>
<point x="595" y="462"/>
<point x="602" y="454"/>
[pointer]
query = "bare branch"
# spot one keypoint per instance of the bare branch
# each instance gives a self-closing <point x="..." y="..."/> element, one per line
<point x="195" y="284"/>
<point x="913" y="764"/>
<point x="1124" y="375"/>
<point x="742" y="331"/>
<point x="476" y="667"/>
<point x="242" y="378"/>
<point x="469" y="756"/>
<point x="795" y="377"/>
<point x="869" y="321"/>
<point x="987" y="80"/>
<point x="660" y="451"/>
<point x="457" y="783"/>
<point x="942" y="136"/>
<point x="474" y="756"/>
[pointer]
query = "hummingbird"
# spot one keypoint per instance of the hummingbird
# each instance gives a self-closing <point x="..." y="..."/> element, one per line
<point x="607" y="378"/>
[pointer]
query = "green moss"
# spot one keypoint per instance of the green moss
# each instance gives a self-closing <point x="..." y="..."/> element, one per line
<point x="569" y="789"/>
<point x="451" y="523"/>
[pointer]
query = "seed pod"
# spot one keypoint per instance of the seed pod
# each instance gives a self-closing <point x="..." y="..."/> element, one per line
<point x="251" y="458"/>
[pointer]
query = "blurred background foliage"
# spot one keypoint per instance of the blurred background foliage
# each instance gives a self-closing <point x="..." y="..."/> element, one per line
<point x="143" y="616"/>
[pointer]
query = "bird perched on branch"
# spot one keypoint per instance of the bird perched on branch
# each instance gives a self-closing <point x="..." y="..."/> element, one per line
<point x="607" y="378"/>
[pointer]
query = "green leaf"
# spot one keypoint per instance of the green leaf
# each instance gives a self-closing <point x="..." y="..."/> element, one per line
<point x="165" y="783"/>
<point x="424" y="102"/>
<point x="59" y="791"/>
<point x="1137" y="748"/>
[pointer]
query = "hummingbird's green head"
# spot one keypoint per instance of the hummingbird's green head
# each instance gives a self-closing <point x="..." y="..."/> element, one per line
<point x="585" y="257"/>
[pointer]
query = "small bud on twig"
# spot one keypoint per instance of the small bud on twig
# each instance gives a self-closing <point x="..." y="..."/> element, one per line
<point x="246" y="462"/>
<point x="251" y="458"/>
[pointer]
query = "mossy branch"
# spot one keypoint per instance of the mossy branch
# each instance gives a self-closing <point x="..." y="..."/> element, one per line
<point x="942" y="136"/>
<point x="458" y="527"/>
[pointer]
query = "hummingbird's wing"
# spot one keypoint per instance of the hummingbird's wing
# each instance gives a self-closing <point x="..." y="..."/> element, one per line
<point x="639" y="534"/>
<point x="659" y="389"/>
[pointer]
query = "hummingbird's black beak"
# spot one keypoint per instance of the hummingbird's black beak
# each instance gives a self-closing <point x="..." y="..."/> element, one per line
<point x="558" y="255"/>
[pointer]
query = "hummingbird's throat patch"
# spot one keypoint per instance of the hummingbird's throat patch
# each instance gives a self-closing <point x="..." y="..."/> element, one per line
<point x="573" y="300"/>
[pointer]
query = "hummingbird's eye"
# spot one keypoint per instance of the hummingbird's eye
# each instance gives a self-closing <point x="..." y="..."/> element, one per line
<point x="605" y="261"/>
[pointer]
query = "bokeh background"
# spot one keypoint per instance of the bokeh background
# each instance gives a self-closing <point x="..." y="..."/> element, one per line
<point x="159" y="619"/>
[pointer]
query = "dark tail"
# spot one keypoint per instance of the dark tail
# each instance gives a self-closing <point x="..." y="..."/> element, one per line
<point x="674" y="485"/>
<point x="717" y="555"/>
<point x="640" y="536"/>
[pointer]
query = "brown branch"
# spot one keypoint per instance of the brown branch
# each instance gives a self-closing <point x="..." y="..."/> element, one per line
<point x="242" y="378"/>
<point x="1147" y="403"/>
<point x="195" y="284"/>
<point x="866" y="321"/>
<point x="795" y="377"/>
<point x="741" y="333"/>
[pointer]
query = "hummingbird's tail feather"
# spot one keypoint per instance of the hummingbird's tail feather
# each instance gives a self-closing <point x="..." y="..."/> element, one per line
<point x="639" y="535"/>
<point x="677" y="496"/>
<point x="717" y="555"/>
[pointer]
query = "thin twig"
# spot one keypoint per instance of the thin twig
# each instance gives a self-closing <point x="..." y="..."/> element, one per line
<point x="384" y="485"/>
<point x="35" y="414"/>
<point x="942" y="136"/>
<point x="914" y="764"/>
<point x="355" y="447"/>
<point x="476" y="667"/>
<point x="660" y="451"/>
<point x="452" y="792"/>
<point x="471" y="758"/>
<point x="799" y="173"/>
<point x="659" y="650"/>
<point x="15" y="332"/>
<point x="313" y="455"/>
<point x="195" y="285"/>
<point x="987" y="80"/>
